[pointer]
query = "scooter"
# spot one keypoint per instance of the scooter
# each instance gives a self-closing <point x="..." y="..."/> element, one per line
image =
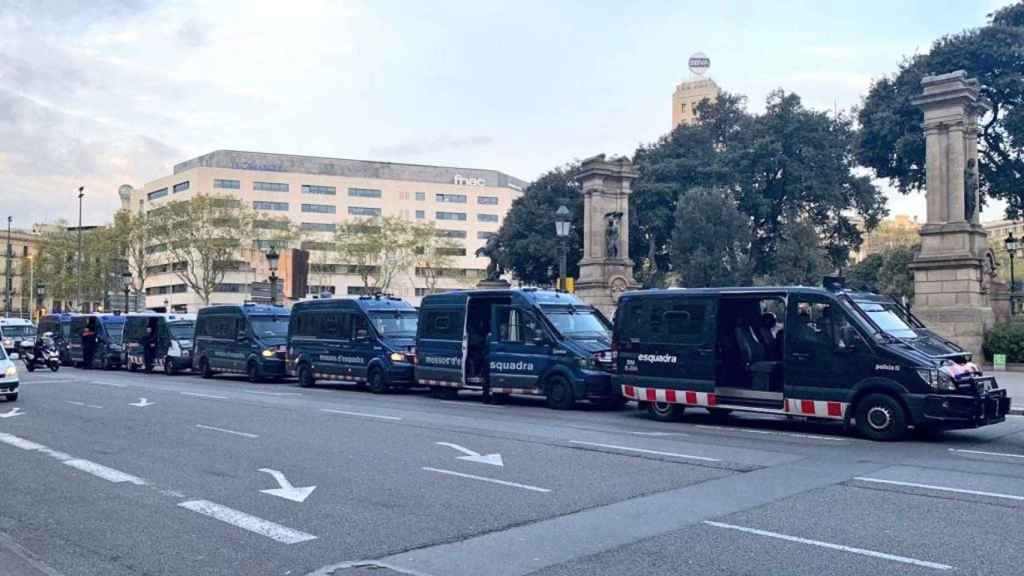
<point x="48" y="356"/>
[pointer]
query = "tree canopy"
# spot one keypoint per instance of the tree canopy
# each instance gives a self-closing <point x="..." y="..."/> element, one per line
<point x="891" y="138"/>
<point x="710" y="241"/>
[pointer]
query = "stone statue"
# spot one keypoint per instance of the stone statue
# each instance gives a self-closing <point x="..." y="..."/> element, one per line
<point x="611" y="234"/>
<point x="491" y="250"/>
<point x="970" y="189"/>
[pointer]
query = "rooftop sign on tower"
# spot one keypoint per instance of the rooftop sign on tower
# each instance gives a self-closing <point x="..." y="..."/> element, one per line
<point x="699" y="63"/>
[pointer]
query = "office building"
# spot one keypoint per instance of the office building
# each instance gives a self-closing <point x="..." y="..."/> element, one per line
<point x="688" y="95"/>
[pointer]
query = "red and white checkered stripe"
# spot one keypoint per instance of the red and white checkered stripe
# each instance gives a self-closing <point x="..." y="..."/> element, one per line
<point x="515" y="391"/>
<point x="816" y="408"/>
<point x="439" y="383"/>
<point x="669" y="396"/>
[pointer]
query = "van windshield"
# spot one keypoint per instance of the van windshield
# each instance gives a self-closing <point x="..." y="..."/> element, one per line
<point x="577" y="323"/>
<point x="269" y="326"/>
<point x="395" y="324"/>
<point x="891" y="318"/>
<point x="25" y="331"/>
<point x="114" y="329"/>
<point x="181" y="331"/>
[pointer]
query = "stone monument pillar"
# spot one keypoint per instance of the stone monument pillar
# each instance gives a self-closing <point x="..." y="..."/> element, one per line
<point x="950" y="278"/>
<point x="605" y="270"/>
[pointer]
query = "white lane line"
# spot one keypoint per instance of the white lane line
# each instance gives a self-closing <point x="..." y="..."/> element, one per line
<point x="272" y="393"/>
<point x="771" y="432"/>
<point x="104" y="472"/>
<point x="113" y="384"/>
<point x="83" y="404"/>
<point x="226" y="431"/>
<point x="363" y="414"/>
<point x="201" y="395"/>
<point x="657" y="433"/>
<point x="475" y="404"/>
<point x="486" y="479"/>
<point x="645" y="451"/>
<point x="984" y="453"/>
<point x="941" y="488"/>
<point x="248" y="522"/>
<point x="840" y="547"/>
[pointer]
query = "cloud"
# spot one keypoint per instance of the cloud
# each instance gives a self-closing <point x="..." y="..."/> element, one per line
<point x="421" y="147"/>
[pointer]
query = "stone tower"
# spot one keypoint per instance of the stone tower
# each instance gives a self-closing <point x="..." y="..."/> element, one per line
<point x="605" y="270"/>
<point x="950" y="277"/>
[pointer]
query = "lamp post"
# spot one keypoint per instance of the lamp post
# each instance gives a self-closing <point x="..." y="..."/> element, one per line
<point x="31" y="280"/>
<point x="7" y="271"/>
<point x="562" y="226"/>
<point x="167" y="304"/>
<point x="40" y="296"/>
<point x="126" y="284"/>
<point x="1012" y="245"/>
<point x="78" y="265"/>
<point x="272" y="258"/>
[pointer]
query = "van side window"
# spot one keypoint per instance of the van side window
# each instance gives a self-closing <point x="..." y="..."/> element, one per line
<point x="516" y="326"/>
<point x="442" y="324"/>
<point x="684" y="323"/>
<point x="329" y="325"/>
<point x="359" y="324"/>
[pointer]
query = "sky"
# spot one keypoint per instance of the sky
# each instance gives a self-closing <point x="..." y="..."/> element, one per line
<point x="108" y="92"/>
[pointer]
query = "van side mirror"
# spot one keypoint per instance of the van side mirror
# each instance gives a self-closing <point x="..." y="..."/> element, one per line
<point x="361" y="334"/>
<point x="242" y="335"/>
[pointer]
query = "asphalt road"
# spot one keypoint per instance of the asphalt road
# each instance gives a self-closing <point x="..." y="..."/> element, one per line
<point x="111" y="473"/>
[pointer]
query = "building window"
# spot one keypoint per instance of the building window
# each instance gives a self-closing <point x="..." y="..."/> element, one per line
<point x="318" y="246"/>
<point x="363" y="193"/>
<point x="319" y="226"/>
<point x="421" y="214"/>
<point x="451" y="233"/>
<point x="487" y="217"/>
<point x="181" y="186"/>
<point x="157" y="194"/>
<point x="485" y="235"/>
<point x="421" y="196"/>
<point x="451" y="198"/>
<point x="227" y="184"/>
<point x="322" y="190"/>
<point x="271" y="224"/>
<point x="229" y="287"/>
<point x="275" y="206"/>
<point x="179" y="289"/>
<point x="357" y="290"/>
<point x="319" y="208"/>
<point x="270" y="186"/>
<point x="451" y="251"/>
<point x="363" y="211"/>
<point x="458" y="216"/>
<point x="489" y="200"/>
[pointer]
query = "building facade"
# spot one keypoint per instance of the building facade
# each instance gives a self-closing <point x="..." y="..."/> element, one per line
<point x="18" y="297"/>
<point x="899" y="231"/>
<point x="318" y="193"/>
<point x="688" y="95"/>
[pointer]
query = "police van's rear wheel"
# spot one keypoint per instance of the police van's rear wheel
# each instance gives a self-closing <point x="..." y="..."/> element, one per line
<point x="375" y="381"/>
<point x="560" y="394"/>
<point x="169" y="367"/>
<point x="664" y="411"/>
<point x="880" y="417"/>
<point x="204" y="368"/>
<point x="306" y="379"/>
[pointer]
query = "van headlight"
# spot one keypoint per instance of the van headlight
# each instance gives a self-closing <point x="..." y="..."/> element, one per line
<point x="937" y="379"/>
<point x="587" y="363"/>
<point x="397" y="357"/>
<point x="268" y="353"/>
<point x="10" y="372"/>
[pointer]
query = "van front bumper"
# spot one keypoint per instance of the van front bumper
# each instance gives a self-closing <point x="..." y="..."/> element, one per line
<point x="952" y="411"/>
<point x="598" y="384"/>
<point x="273" y="367"/>
<point x="400" y="374"/>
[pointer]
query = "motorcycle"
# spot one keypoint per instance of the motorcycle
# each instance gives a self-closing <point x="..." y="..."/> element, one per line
<point x="48" y="355"/>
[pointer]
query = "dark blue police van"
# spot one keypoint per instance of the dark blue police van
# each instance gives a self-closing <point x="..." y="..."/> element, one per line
<point x="248" y="339"/>
<point x="59" y="325"/>
<point x="95" y="340"/>
<point x="855" y="357"/>
<point x="367" y="340"/>
<point x="514" y="342"/>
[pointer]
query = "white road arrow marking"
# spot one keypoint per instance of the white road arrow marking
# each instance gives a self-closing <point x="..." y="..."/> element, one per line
<point x="142" y="403"/>
<point x="287" y="491"/>
<point x="14" y="412"/>
<point x="471" y="456"/>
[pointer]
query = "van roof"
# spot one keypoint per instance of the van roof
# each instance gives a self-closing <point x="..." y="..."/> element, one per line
<point x="366" y="303"/>
<point x="15" y="322"/>
<point x="246" y="309"/>
<point x="532" y="295"/>
<point x="747" y="290"/>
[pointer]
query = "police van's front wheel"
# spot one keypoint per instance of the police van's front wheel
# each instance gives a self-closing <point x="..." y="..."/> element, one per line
<point x="204" y="368"/>
<point x="881" y="417"/>
<point x="560" y="394"/>
<point x="665" y="412"/>
<point x="306" y="379"/>
<point x="252" y="371"/>
<point x="375" y="381"/>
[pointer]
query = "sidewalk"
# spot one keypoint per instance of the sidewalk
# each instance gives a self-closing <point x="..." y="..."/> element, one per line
<point x="1014" y="384"/>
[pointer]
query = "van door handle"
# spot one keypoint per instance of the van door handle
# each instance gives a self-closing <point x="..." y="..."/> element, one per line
<point x="705" y="351"/>
<point x="801" y="355"/>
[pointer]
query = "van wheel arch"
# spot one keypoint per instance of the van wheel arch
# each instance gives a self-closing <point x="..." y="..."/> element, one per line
<point x="878" y="386"/>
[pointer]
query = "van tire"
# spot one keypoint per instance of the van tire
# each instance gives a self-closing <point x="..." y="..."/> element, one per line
<point x="559" y="392"/>
<point x="881" y="417"/>
<point x="376" y="382"/>
<point x="12" y="397"/>
<point x="665" y="412"/>
<point x="252" y="371"/>
<point x="305" y="376"/>
<point x="169" y="368"/>
<point x="204" y="368"/>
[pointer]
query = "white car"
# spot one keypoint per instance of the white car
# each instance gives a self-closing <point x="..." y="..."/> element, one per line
<point x="8" y="377"/>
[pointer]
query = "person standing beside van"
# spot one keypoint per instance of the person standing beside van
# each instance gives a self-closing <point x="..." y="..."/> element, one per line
<point x="88" y="343"/>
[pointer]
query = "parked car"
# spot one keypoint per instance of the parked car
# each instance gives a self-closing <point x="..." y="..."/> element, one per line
<point x="9" y="383"/>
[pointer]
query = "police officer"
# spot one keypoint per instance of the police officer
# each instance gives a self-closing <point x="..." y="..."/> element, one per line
<point x="149" y="348"/>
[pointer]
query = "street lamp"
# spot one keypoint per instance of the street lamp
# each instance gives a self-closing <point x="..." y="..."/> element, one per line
<point x="562" y="226"/>
<point x="272" y="258"/>
<point x="7" y="271"/>
<point x="40" y="296"/>
<point x="1012" y="245"/>
<point x="126" y="284"/>
<point x="78" y="266"/>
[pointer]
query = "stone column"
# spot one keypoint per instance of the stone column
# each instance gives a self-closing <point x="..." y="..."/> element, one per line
<point x="605" y="270"/>
<point x="950" y="283"/>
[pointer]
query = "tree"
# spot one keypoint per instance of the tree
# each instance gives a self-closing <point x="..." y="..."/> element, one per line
<point x="891" y="139"/>
<point x="202" y="237"/>
<point x="799" y="257"/>
<point x="434" y="254"/>
<point x="377" y="249"/>
<point x="710" y="240"/>
<point x="887" y="271"/>
<point x="132" y="230"/>
<point x="529" y="247"/>
<point x="56" y="262"/>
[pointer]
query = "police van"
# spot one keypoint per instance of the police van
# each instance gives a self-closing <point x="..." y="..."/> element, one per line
<point x="367" y="340"/>
<point x="168" y="337"/>
<point x="13" y="331"/>
<point x="514" y="342"/>
<point x="855" y="357"/>
<point x="245" y="339"/>
<point x="59" y="326"/>
<point x="95" y="340"/>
